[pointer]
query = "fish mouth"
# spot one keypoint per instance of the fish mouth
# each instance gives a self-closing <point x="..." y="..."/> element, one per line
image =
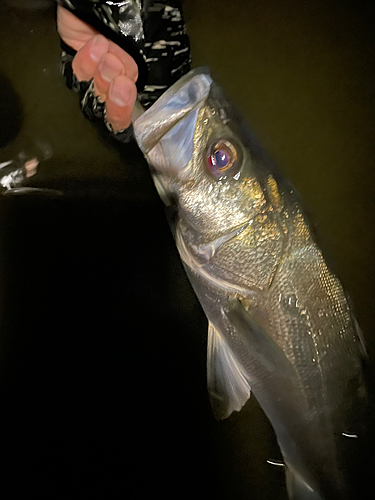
<point x="186" y="95"/>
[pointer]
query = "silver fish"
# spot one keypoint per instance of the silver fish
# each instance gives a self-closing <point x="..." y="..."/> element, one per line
<point x="280" y="324"/>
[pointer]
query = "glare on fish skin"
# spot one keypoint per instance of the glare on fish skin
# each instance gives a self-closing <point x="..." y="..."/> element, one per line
<point x="349" y="435"/>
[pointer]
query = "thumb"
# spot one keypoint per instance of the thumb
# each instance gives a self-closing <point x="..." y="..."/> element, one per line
<point x="120" y="102"/>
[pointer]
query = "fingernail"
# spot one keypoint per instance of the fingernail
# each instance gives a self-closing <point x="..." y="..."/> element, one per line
<point x="107" y="71"/>
<point x="119" y="94"/>
<point x="98" y="48"/>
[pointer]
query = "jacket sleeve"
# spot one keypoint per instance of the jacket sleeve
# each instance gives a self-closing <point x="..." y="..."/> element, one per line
<point x="152" y="32"/>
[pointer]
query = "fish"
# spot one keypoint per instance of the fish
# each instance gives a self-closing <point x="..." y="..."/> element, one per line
<point x="280" y="324"/>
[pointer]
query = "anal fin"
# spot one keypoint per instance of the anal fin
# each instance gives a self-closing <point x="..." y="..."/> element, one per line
<point x="227" y="385"/>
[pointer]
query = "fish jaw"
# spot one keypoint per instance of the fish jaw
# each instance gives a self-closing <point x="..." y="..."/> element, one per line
<point x="165" y="131"/>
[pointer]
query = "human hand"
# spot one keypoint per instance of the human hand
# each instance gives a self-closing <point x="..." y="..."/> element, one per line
<point x="114" y="71"/>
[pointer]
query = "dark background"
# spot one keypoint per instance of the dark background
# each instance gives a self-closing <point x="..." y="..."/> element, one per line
<point x="102" y="340"/>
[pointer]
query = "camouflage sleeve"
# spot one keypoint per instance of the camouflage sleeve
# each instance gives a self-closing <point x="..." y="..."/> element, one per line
<point x="152" y="32"/>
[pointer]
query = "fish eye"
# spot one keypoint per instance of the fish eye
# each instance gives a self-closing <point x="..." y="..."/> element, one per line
<point x="223" y="159"/>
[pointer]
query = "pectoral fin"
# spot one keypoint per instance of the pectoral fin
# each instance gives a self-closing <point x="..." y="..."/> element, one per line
<point x="227" y="385"/>
<point x="262" y="349"/>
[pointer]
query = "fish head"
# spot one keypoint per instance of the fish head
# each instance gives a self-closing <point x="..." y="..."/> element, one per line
<point x="199" y="154"/>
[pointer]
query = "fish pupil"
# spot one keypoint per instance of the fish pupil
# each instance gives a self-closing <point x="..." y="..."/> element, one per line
<point x="221" y="158"/>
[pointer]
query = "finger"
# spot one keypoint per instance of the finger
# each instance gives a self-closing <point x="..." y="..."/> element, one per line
<point x="72" y="30"/>
<point x="120" y="102"/>
<point x="108" y="68"/>
<point x="131" y="68"/>
<point x="86" y="60"/>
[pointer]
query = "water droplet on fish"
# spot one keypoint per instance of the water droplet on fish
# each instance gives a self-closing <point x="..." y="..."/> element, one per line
<point x="250" y="301"/>
<point x="290" y="301"/>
